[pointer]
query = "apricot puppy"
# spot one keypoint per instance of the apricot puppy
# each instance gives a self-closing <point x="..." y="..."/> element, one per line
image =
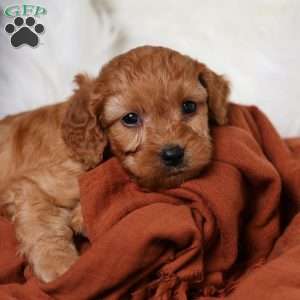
<point x="150" y="107"/>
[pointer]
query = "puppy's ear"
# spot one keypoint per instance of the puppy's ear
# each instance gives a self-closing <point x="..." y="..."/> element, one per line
<point x="81" y="127"/>
<point x="218" y="91"/>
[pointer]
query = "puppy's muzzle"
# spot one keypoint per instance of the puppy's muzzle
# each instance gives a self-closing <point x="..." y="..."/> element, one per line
<point x="172" y="156"/>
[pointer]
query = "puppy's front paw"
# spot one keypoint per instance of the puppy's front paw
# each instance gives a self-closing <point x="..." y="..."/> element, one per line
<point x="77" y="223"/>
<point x="50" y="265"/>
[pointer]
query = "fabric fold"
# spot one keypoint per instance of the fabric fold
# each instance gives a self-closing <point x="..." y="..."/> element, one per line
<point x="222" y="235"/>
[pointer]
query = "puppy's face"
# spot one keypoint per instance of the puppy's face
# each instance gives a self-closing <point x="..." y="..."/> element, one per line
<point x="156" y="118"/>
<point x="154" y="106"/>
<point x="158" y="128"/>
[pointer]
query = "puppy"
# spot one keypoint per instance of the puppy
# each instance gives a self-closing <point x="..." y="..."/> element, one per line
<point x="151" y="107"/>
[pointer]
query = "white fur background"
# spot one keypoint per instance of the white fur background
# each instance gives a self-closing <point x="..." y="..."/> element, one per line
<point x="255" y="43"/>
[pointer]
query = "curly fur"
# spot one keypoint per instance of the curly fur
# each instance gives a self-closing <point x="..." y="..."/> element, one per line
<point x="42" y="152"/>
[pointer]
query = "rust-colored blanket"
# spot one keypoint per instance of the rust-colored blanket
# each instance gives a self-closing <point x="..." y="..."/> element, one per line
<point x="234" y="232"/>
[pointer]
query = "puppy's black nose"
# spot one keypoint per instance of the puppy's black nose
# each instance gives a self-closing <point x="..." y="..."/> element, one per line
<point x="172" y="155"/>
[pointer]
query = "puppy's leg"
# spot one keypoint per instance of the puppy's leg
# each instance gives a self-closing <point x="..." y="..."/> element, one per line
<point x="42" y="229"/>
<point x="77" y="220"/>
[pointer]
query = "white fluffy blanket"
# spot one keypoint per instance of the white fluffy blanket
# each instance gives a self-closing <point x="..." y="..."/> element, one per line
<point x="255" y="43"/>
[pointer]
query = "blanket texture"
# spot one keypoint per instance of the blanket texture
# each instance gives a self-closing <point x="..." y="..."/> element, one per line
<point x="232" y="233"/>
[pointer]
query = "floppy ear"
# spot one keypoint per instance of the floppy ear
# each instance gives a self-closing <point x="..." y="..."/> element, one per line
<point x="81" y="127"/>
<point x="218" y="91"/>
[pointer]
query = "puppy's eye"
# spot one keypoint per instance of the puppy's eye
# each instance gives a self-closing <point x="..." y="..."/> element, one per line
<point x="131" y="120"/>
<point x="189" y="107"/>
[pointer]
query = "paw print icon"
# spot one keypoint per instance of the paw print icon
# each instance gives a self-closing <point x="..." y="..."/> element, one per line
<point x="24" y="32"/>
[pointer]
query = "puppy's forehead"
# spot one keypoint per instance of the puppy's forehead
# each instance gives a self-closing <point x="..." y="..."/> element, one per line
<point x="149" y="63"/>
<point x="161" y="63"/>
<point x="151" y="79"/>
<point x="156" y="97"/>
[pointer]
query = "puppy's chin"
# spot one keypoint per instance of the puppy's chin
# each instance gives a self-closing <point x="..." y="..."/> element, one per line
<point x="160" y="183"/>
<point x="162" y="180"/>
